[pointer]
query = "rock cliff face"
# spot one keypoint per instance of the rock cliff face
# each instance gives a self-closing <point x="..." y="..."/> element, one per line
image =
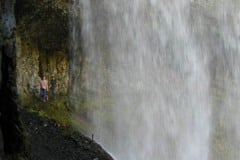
<point x="32" y="63"/>
<point x="42" y="44"/>
<point x="28" y="68"/>
<point x="11" y="128"/>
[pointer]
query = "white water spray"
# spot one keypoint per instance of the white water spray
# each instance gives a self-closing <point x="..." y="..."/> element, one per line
<point x="153" y="71"/>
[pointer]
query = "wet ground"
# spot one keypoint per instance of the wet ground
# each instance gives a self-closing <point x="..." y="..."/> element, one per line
<point x="49" y="141"/>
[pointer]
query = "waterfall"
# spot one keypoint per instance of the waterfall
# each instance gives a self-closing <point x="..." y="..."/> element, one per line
<point x="160" y="78"/>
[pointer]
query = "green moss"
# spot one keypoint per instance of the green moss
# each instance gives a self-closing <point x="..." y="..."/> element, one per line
<point x="57" y="110"/>
<point x="77" y="113"/>
<point x="53" y="109"/>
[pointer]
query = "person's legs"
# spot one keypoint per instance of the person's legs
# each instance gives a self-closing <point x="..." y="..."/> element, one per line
<point x="46" y="96"/>
<point x="43" y="93"/>
<point x="54" y="91"/>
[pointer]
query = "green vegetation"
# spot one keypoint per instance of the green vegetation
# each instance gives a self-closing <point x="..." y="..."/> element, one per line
<point x="76" y="114"/>
<point x="57" y="110"/>
<point x="53" y="109"/>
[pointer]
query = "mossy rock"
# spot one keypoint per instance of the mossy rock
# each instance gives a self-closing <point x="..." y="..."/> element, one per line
<point x="43" y="23"/>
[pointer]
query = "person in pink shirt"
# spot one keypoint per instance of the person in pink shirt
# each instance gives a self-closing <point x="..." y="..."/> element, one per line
<point x="43" y="88"/>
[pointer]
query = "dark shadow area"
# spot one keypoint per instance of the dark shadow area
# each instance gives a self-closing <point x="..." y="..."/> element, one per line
<point x="1" y="143"/>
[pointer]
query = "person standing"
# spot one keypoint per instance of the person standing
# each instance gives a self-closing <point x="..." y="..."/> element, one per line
<point x="43" y="89"/>
<point x="54" y="87"/>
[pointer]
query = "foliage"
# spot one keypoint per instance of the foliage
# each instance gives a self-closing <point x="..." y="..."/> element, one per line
<point x="57" y="110"/>
<point x="53" y="109"/>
